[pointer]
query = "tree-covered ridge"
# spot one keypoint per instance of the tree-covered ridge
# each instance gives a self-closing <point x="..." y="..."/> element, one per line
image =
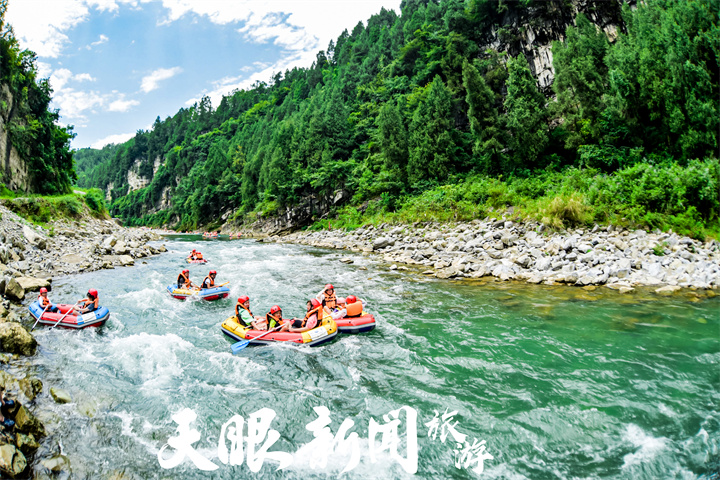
<point x="408" y="103"/>
<point x="30" y="124"/>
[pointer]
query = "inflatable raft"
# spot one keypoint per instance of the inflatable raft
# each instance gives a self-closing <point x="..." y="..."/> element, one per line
<point x="92" y="319"/>
<point x="209" y="294"/>
<point x="359" y="324"/>
<point x="317" y="336"/>
<point x="197" y="261"/>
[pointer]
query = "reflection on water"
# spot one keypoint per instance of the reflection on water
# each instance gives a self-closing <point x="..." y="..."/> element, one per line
<point x="560" y="382"/>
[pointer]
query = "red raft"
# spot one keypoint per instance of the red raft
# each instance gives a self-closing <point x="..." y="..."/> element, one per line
<point x="356" y="320"/>
<point x="92" y="319"/>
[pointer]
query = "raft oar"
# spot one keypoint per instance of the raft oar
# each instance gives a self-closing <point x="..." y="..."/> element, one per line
<point x="65" y="315"/>
<point x="236" y="347"/>
<point x="38" y="319"/>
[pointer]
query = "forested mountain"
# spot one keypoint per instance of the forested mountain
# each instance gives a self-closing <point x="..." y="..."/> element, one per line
<point x="35" y="153"/>
<point x="619" y="98"/>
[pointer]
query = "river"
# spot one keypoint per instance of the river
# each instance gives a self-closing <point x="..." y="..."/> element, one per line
<point x="558" y="382"/>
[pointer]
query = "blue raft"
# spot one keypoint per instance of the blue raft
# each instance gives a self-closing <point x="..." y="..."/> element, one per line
<point x="91" y="319"/>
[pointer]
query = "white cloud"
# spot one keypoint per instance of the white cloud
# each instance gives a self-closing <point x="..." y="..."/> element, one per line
<point x="150" y="82"/>
<point x="40" y="25"/>
<point x="100" y="41"/>
<point x="80" y="77"/>
<point x="60" y="77"/>
<point x="115" y="138"/>
<point x="122" y="105"/>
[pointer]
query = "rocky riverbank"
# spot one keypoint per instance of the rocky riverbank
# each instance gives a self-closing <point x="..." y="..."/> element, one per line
<point x="615" y="257"/>
<point x="29" y="258"/>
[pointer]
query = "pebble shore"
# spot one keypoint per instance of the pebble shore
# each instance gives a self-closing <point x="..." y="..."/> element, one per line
<point x="614" y="257"/>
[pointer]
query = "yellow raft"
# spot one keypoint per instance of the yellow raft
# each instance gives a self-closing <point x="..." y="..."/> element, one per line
<point x="323" y="333"/>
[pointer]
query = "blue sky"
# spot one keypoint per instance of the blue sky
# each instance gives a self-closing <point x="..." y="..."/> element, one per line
<point x="115" y="65"/>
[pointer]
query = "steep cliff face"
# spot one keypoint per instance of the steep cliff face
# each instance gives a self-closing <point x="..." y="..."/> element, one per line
<point x="14" y="173"/>
<point x="531" y="31"/>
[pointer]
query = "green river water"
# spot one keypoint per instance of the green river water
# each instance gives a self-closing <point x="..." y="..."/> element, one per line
<point x="560" y="383"/>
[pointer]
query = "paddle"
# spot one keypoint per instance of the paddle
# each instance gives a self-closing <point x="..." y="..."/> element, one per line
<point x="38" y="319"/>
<point x="236" y="347"/>
<point x="65" y="315"/>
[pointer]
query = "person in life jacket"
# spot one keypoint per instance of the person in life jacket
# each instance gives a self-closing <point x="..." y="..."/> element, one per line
<point x="209" y="281"/>
<point x="44" y="301"/>
<point x="183" y="280"/>
<point x="274" y="319"/>
<point x="192" y="255"/>
<point x="198" y="256"/>
<point x="329" y="300"/>
<point x="245" y="316"/>
<point x="312" y="319"/>
<point x="89" y="304"/>
<point x="353" y="306"/>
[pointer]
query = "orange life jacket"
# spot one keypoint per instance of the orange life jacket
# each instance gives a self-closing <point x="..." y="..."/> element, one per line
<point x="330" y="301"/>
<point x="354" y="309"/>
<point x="43" y="301"/>
<point x="198" y="256"/>
<point x="211" y="283"/>
<point x="237" y="312"/>
<point x="320" y="313"/>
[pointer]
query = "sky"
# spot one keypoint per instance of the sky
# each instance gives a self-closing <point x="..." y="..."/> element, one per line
<point x="116" y="65"/>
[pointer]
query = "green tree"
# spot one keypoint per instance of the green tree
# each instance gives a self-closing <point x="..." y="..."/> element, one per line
<point x="526" y="114"/>
<point x="484" y="120"/>
<point x="431" y="145"/>
<point x="392" y="137"/>
<point x="580" y="80"/>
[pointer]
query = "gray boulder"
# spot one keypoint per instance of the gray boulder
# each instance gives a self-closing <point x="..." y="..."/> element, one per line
<point x="15" y="339"/>
<point x="14" y="290"/>
<point x="12" y="462"/>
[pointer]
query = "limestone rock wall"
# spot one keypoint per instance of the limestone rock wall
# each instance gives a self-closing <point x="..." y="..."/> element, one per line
<point x="14" y="173"/>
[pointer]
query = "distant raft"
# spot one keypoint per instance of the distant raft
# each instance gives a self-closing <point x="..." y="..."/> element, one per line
<point x="197" y="261"/>
<point x="91" y="319"/>
<point x="317" y="336"/>
<point x="209" y="294"/>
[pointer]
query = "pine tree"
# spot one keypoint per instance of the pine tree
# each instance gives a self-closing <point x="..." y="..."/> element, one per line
<point x="432" y="149"/>
<point x="526" y="114"/>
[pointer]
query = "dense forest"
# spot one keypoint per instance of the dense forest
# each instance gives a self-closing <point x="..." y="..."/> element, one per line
<point x="30" y="125"/>
<point x="436" y="113"/>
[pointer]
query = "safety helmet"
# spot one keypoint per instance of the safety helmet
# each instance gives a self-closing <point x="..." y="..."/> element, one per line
<point x="43" y="290"/>
<point x="315" y="303"/>
<point x="275" y="309"/>
<point x="93" y="292"/>
<point x="351" y="299"/>
<point x="193" y="249"/>
<point x="243" y="299"/>
<point x="213" y="272"/>
<point x="186" y="271"/>
<point x="329" y="287"/>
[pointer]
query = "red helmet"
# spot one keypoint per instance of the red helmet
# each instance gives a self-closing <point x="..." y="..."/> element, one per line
<point x="351" y="299"/>
<point x="193" y="249"/>
<point x="329" y="287"/>
<point x="315" y="302"/>
<point x="243" y="299"/>
<point x="186" y="271"/>
<point x="275" y="309"/>
<point x="43" y="290"/>
<point x="93" y="293"/>
<point x="213" y="272"/>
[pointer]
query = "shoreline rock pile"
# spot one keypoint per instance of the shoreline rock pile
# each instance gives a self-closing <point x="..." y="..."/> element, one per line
<point x="31" y="256"/>
<point x="615" y="257"/>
